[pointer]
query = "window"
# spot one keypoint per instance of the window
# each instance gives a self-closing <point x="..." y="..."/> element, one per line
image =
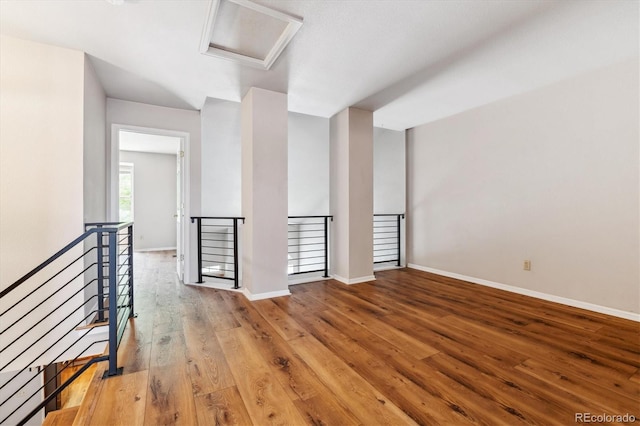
<point x="126" y="192"/>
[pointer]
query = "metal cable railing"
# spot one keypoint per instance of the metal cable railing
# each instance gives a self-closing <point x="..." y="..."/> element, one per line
<point x="387" y="238"/>
<point x="50" y="312"/>
<point x="308" y="244"/>
<point x="218" y="247"/>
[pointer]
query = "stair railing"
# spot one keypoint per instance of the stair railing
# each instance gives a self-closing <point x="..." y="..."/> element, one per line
<point x="45" y="323"/>
<point x="218" y="247"/>
<point x="308" y="244"/>
<point x="387" y="238"/>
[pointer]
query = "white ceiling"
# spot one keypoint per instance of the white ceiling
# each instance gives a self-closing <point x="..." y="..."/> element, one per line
<point x="409" y="61"/>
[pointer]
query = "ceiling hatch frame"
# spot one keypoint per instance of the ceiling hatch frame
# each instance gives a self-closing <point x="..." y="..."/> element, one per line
<point x="293" y="24"/>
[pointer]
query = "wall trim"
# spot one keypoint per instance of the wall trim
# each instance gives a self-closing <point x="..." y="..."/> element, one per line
<point x="268" y="295"/>
<point x="386" y="268"/>
<point x="354" y="280"/>
<point x="154" y="249"/>
<point x="224" y="285"/>
<point x="532" y="293"/>
<point x="304" y="280"/>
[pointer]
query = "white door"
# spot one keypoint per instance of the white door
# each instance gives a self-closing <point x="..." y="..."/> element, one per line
<point x="180" y="212"/>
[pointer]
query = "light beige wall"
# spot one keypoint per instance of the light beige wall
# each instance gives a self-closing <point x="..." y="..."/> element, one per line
<point x="551" y="176"/>
<point x="264" y="193"/>
<point x="41" y="192"/>
<point x="95" y="147"/>
<point x="246" y="161"/>
<point x="339" y="193"/>
<point x="360" y="193"/>
<point x="41" y="153"/>
<point x="351" y="195"/>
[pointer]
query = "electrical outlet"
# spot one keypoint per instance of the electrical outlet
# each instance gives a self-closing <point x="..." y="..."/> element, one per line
<point x="527" y="265"/>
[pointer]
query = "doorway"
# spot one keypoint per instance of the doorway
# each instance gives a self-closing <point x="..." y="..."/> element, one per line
<point x="159" y="201"/>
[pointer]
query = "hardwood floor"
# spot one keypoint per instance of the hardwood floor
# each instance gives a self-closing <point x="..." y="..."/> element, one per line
<point x="72" y="396"/>
<point x="410" y="347"/>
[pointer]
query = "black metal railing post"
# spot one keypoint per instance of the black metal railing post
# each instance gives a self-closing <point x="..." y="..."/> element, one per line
<point x="130" y="261"/>
<point x="308" y="244"/>
<point x="100" y="283"/>
<point x="399" y="245"/>
<point x="217" y="255"/>
<point x="235" y="254"/>
<point x="326" y="247"/>
<point x="387" y="239"/>
<point x="199" y="231"/>
<point x="113" y="303"/>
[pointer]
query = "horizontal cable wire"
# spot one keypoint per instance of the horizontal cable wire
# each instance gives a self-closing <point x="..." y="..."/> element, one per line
<point x="49" y="297"/>
<point x="41" y="285"/>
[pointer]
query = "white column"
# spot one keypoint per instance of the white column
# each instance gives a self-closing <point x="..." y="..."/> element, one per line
<point x="264" y="194"/>
<point x="352" y="196"/>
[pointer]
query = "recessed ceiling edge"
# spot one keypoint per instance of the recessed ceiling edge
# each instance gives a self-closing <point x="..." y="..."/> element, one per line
<point x="293" y="25"/>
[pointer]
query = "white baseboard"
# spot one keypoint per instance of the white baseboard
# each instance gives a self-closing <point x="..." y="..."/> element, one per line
<point x="154" y="249"/>
<point x="267" y="295"/>
<point x="221" y="285"/>
<point x="304" y="280"/>
<point x="354" y="280"/>
<point x="531" y="293"/>
<point x="386" y="268"/>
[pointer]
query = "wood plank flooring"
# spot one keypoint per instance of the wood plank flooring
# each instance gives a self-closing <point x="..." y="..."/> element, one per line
<point x="72" y="396"/>
<point x="408" y="348"/>
<point x="62" y="417"/>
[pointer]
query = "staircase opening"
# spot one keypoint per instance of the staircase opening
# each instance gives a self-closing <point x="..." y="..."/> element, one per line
<point x="72" y="395"/>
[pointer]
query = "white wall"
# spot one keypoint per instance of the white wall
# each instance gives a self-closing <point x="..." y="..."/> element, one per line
<point x="33" y="381"/>
<point x="42" y="93"/>
<point x="155" y="117"/>
<point x="551" y="176"/>
<point x="94" y="167"/>
<point x="389" y="175"/>
<point x="308" y="165"/>
<point x="220" y="162"/>
<point x="95" y="146"/>
<point x="154" y="181"/>
<point x="41" y="153"/>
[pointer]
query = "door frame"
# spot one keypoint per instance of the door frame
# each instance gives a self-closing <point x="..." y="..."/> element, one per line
<point x="113" y="164"/>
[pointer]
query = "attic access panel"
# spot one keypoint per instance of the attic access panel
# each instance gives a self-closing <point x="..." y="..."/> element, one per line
<point x="246" y="32"/>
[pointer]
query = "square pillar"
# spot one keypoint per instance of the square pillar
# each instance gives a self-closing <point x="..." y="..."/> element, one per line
<point x="351" y="201"/>
<point x="264" y="194"/>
